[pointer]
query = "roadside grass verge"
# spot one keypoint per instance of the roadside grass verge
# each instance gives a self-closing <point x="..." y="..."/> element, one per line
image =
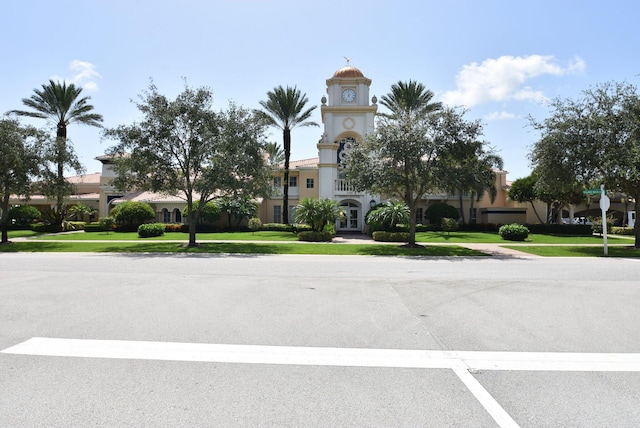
<point x="173" y="236"/>
<point x="22" y="234"/>
<point x="424" y="237"/>
<point x="622" y="251"/>
<point x="241" y="248"/>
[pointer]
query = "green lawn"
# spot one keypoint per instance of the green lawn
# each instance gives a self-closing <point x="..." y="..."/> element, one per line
<point x="576" y="251"/>
<point x="494" y="238"/>
<point x="424" y="237"/>
<point x="241" y="248"/>
<point x="173" y="236"/>
<point x="22" y="234"/>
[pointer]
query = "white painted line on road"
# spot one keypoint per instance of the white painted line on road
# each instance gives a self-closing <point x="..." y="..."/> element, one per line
<point x="461" y="362"/>
<point x="487" y="401"/>
<point x="298" y="355"/>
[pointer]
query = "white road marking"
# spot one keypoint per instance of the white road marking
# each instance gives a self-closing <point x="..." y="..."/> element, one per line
<point x="463" y="363"/>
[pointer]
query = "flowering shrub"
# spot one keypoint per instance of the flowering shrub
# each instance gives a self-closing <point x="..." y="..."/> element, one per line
<point x="148" y="230"/>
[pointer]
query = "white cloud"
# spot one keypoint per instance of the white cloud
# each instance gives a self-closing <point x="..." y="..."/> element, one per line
<point x="505" y="79"/>
<point x="85" y="75"/>
<point x="500" y="115"/>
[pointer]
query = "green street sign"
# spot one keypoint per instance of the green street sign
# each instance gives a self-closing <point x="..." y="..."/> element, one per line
<point x="593" y="192"/>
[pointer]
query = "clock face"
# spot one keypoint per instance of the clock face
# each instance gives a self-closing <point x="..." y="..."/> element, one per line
<point x="349" y="95"/>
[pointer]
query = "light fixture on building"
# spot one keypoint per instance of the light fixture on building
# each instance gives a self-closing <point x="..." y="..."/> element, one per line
<point x="372" y="203"/>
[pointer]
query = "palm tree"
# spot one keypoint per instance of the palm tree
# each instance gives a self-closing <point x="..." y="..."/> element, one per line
<point x="409" y="98"/>
<point x="285" y="109"/>
<point x="59" y="103"/>
<point x="275" y="154"/>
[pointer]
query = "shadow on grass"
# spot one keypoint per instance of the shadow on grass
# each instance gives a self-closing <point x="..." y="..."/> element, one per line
<point x="248" y="248"/>
<point x="577" y="251"/>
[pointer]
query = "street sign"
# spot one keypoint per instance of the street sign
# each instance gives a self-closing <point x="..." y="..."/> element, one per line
<point x="593" y="192"/>
<point x="605" y="203"/>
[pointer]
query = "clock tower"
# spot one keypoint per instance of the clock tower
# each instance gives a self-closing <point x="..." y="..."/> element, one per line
<point x="348" y="116"/>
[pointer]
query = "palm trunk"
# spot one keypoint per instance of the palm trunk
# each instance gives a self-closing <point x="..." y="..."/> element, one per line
<point x="61" y="144"/>
<point x="287" y="154"/>
<point x="461" y="207"/>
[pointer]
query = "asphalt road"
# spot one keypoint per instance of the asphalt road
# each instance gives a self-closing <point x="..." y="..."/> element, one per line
<point x="327" y="341"/>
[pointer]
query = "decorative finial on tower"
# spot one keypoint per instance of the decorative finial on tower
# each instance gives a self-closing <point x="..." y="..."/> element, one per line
<point x="348" y="59"/>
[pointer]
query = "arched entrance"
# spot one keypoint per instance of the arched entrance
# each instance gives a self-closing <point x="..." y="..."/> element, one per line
<point x="350" y="220"/>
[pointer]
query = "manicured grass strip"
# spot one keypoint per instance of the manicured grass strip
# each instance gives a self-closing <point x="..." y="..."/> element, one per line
<point x="494" y="238"/>
<point x="22" y="234"/>
<point x="173" y="236"/>
<point x="241" y="248"/>
<point x="576" y="251"/>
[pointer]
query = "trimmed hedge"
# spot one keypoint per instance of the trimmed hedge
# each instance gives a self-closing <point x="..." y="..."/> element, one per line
<point x="277" y="227"/>
<point x="617" y="230"/>
<point x="383" y="236"/>
<point x="514" y="232"/>
<point x="94" y="227"/>
<point x="173" y="227"/>
<point x="46" y="228"/>
<point x="149" y="230"/>
<point x="311" y="236"/>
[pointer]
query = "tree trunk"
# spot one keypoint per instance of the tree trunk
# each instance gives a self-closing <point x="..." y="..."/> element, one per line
<point x="636" y="225"/>
<point x="4" y="219"/>
<point x="286" y="134"/>
<point x="193" y="220"/>
<point x="461" y="207"/>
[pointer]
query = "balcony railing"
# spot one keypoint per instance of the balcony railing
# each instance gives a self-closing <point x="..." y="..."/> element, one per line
<point x="343" y="186"/>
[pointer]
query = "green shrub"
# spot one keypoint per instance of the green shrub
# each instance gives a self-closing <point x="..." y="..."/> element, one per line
<point x="149" y="230"/>
<point x="23" y="214"/>
<point x="278" y="227"/>
<point x="389" y="215"/>
<point x="107" y="223"/>
<point x="597" y="224"/>
<point x="254" y="224"/>
<point x="383" y="236"/>
<point x="173" y="227"/>
<point x="449" y="225"/>
<point x="312" y="236"/>
<point x="616" y="230"/>
<point x="436" y="212"/>
<point x="317" y="213"/>
<point x="299" y="227"/>
<point x="94" y="227"/>
<point x="131" y="214"/>
<point x="513" y="232"/>
<point x="210" y="212"/>
<point x="46" y="228"/>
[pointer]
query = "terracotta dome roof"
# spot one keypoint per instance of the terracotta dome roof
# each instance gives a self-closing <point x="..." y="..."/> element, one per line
<point x="348" y="71"/>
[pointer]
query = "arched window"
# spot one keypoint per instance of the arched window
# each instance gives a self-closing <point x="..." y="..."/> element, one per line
<point x="166" y="216"/>
<point x="177" y="215"/>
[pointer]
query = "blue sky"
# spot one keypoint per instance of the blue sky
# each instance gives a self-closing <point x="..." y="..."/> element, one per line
<point x="500" y="58"/>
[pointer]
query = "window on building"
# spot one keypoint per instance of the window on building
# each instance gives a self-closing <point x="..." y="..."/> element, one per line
<point x="166" y="216"/>
<point x="310" y="183"/>
<point x="277" y="181"/>
<point x="277" y="214"/>
<point x="177" y="215"/>
<point x="293" y="181"/>
<point x="419" y="216"/>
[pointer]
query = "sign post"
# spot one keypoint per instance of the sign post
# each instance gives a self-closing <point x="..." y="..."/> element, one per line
<point x="605" y="203"/>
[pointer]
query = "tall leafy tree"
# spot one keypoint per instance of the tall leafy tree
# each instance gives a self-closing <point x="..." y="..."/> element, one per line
<point x="62" y="105"/>
<point x="184" y="147"/>
<point x="20" y="164"/>
<point x="524" y="190"/>
<point x="285" y="108"/>
<point x="409" y="98"/>
<point x="403" y="158"/>
<point x="469" y="168"/>
<point x="592" y="140"/>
